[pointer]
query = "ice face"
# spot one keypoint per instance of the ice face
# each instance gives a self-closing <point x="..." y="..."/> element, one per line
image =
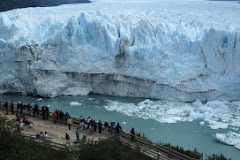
<point x="156" y="49"/>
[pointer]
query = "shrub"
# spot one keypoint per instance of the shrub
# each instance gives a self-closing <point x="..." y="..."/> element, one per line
<point x="13" y="146"/>
<point x="217" y="157"/>
<point x="111" y="149"/>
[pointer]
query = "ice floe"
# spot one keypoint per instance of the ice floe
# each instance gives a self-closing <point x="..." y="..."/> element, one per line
<point x="230" y="138"/>
<point x="216" y="114"/>
<point x="75" y="103"/>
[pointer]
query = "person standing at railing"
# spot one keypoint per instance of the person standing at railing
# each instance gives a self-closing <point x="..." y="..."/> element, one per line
<point x="35" y="110"/>
<point x="21" y="108"/>
<point x="61" y="114"/>
<point x="100" y="126"/>
<point x="106" y="125"/>
<point x="18" y="107"/>
<point x="132" y="132"/>
<point x="118" y="128"/>
<point x="29" y="109"/>
<point x="69" y="122"/>
<point x="55" y="116"/>
<point x="12" y="108"/>
<point x="66" y="116"/>
<point x="43" y="112"/>
<point x="6" y="107"/>
<point x="46" y="112"/>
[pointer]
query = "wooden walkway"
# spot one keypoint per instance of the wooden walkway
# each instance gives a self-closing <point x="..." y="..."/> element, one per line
<point x="149" y="148"/>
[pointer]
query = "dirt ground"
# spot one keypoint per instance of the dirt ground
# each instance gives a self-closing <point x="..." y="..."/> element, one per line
<point x="56" y="131"/>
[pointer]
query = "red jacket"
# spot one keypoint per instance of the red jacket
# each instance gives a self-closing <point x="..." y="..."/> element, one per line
<point x="55" y="115"/>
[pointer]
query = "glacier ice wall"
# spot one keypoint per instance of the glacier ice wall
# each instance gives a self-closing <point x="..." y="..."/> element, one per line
<point x="172" y="55"/>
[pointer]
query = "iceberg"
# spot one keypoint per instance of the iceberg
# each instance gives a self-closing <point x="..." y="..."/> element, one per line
<point x="230" y="138"/>
<point x="74" y="103"/>
<point x="169" y="50"/>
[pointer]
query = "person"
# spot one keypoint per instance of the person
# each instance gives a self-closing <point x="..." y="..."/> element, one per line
<point x="28" y="108"/>
<point x="69" y="122"/>
<point x="132" y="132"/>
<point x="61" y="114"/>
<point x="41" y="136"/>
<point x="18" y="106"/>
<point x="100" y="126"/>
<point x="55" y="116"/>
<point x="67" y="137"/>
<point x="12" y="108"/>
<point x="106" y="125"/>
<point x="88" y="122"/>
<point x="80" y="118"/>
<point x="94" y="124"/>
<point x="112" y="125"/>
<point x="46" y="112"/>
<point x="43" y="112"/>
<point x="6" y="107"/>
<point x="66" y="116"/>
<point x="21" y="108"/>
<point x="81" y="125"/>
<point x="24" y="106"/>
<point x="35" y="110"/>
<point x="118" y="128"/>
<point x="46" y="137"/>
<point x="77" y="133"/>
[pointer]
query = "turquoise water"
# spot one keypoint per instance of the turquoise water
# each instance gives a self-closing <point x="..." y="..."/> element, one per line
<point x="187" y="134"/>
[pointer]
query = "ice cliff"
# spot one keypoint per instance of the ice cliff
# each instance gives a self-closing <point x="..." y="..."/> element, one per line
<point x="155" y="49"/>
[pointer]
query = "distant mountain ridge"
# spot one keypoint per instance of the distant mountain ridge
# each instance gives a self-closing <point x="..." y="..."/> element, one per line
<point x="13" y="4"/>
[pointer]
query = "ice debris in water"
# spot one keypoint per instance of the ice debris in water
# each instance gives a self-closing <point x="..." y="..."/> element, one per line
<point x="217" y="114"/>
<point x="230" y="138"/>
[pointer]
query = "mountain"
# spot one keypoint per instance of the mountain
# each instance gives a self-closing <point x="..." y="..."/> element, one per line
<point x="170" y="50"/>
<point x="14" y="4"/>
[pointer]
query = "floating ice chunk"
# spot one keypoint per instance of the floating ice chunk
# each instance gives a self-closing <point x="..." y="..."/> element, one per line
<point x="202" y="123"/>
<point x="197" y="103"/>
<point x="124" y="123"/>
<point x="39" y="99"/>
<point x="75" y="103"/>
<point x="218" y="125"/>
<point x="218" y="114"/>
<point x="90" y="99"/>
<point x="230" y="138"/>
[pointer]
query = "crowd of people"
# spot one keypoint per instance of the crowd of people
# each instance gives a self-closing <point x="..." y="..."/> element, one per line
<point x="27" y="109"/>
<point x="59" y="116"/>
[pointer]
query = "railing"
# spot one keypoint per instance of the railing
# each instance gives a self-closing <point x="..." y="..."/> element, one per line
<point x="158" y="148"/>
<point x="151" y="149"/>
<point x="54" y="145"/>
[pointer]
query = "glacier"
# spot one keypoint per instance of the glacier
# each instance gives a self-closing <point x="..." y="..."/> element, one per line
<point x="162" y="49"/>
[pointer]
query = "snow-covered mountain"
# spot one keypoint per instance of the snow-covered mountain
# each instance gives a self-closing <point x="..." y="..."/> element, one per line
<point x="165" y="49"/>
